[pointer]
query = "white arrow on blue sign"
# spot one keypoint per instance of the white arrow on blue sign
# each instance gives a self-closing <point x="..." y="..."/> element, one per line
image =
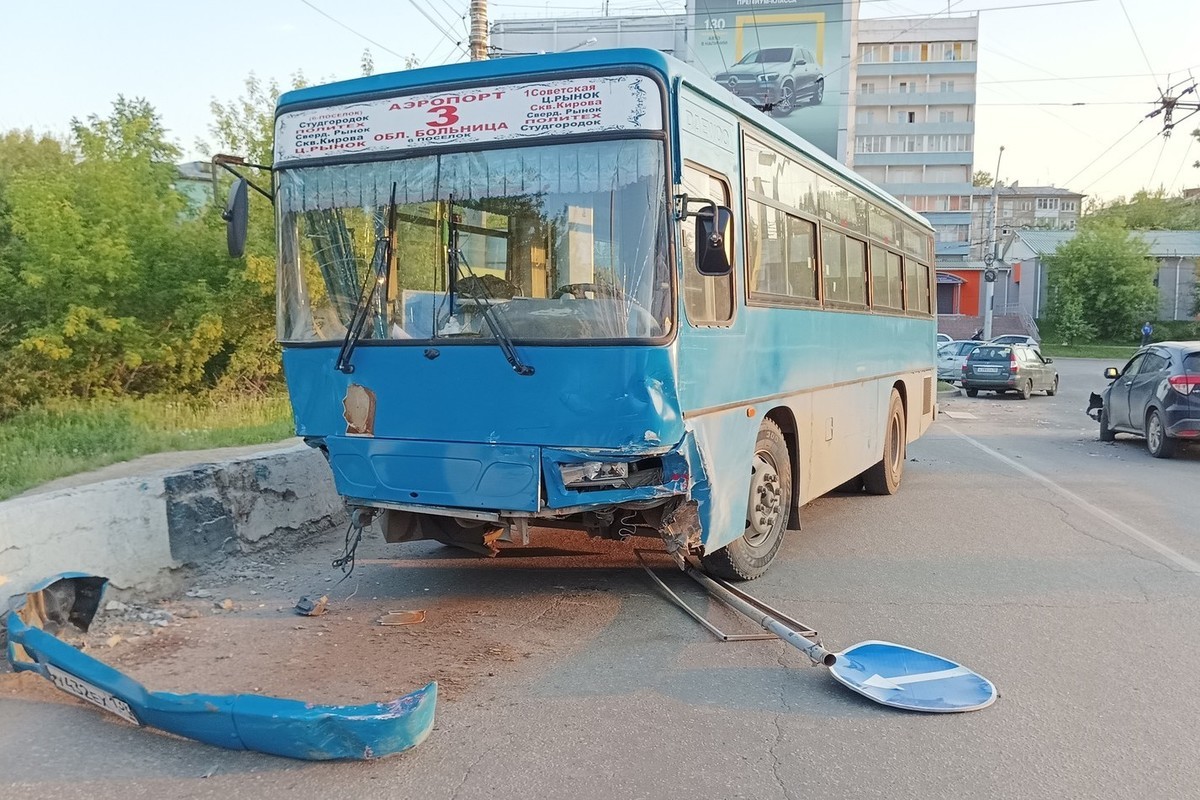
<point x="900" y="676"/>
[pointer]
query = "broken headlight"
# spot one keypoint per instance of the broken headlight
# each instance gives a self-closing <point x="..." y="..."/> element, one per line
<point x="594" y="473"/>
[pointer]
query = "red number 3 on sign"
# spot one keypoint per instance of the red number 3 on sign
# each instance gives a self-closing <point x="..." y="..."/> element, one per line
<point x="446" y="115"/>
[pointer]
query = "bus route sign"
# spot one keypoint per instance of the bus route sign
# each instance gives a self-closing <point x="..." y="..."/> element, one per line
<point x="471" y="116"/>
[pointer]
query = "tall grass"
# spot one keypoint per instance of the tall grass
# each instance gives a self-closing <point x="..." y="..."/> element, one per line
<point x="64" y="438"/>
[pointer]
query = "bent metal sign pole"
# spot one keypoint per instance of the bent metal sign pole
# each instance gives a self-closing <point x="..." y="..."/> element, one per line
<point x="888" y="673"/>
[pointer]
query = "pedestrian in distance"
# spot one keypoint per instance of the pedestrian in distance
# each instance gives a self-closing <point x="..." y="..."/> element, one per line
<point x="1147" y="329"/>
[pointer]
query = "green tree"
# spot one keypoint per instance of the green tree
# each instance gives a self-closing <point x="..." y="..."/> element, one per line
<point x="244" y="127"/>
<point x="981" y="178"/>
<point x="1067" y="315"/>
<point x="108" y="287"/>
<point x="1150" y="210"/>
<point x="1102" y="281"/>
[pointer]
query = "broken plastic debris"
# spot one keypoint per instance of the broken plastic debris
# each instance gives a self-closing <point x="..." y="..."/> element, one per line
<point x="310" y="607"/>
<point x="402" y="618"/>
<point x="274" y="725"/>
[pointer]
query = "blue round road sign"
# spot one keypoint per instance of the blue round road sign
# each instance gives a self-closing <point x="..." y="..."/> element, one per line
<point x="900" y="676"/>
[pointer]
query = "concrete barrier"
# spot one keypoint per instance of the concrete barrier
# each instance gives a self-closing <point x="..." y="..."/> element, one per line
<point x="134" y="531"/>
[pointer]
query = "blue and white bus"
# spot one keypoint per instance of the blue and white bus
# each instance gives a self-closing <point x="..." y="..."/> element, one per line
<point x="594" y="291"/>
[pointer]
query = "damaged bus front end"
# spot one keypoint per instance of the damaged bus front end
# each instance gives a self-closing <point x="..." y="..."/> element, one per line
<point x="479" y="319"/>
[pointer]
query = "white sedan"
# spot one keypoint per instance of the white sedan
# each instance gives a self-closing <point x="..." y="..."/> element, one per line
<point x="1014" y="338"/>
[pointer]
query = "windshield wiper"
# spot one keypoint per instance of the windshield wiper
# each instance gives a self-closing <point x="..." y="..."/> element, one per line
<point x="376" y="277"/>
<point x="455" y="260"/>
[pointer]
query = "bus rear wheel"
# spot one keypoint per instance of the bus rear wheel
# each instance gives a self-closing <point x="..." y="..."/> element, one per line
<point x="884" y="477"/>
<point x="767" y="509"/>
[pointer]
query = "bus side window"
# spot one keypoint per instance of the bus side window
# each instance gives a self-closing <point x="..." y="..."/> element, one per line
<point x="708" y="300"/>
<point x="916" y="286"/>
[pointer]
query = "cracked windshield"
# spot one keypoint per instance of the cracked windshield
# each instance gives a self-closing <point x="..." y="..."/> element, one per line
<point x="563" y="242"/>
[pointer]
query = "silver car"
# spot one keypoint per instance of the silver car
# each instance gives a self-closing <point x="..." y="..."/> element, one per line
<point x="776" y="78"/>
<point x="952" y="356"/>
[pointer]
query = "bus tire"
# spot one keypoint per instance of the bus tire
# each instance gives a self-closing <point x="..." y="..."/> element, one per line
<point x="767" y="509"/>
<point x="884" y="477"/>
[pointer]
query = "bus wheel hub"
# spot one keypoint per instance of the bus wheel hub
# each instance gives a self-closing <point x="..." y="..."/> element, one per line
<point x="766" y="500"/>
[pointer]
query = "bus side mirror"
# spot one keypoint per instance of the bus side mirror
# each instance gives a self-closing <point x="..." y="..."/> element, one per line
<point x="1111" y="373"/>
<point x="237" y="218"/>
<point x="712" y="238"/>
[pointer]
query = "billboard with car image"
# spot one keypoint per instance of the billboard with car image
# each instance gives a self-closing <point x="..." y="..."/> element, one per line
<point x="791" y="58"/>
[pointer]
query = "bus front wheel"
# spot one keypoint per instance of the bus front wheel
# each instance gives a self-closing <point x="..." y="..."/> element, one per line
<point x="884" y="477"/>
<point x="767" y="509"/>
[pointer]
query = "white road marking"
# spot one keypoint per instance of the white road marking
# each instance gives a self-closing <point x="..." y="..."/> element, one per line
<point x="960" y="415"/>
<point x="1110" y="519"/>
<point x="900" y="681"/>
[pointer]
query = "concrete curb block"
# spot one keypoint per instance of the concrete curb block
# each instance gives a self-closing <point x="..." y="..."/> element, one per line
<point x="134" y="531"/>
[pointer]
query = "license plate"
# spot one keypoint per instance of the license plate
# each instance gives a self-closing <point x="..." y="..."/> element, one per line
<point x="85" y="691"/>
<point x="988" y="370"/>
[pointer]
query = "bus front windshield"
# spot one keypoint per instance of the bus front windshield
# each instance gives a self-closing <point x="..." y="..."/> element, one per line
<point x="565" y="242"/>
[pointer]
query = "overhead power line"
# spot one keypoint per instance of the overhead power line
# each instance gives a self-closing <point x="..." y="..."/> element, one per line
<point x="1182" y="163"/>
<point x="1137" y="39"/>
<point x="449" y="36"/>
<point x="1157" y="161"/>
<point x="1105" y="152"/>
<point x="449" y="25"/>
<point x="1120" y="163"/>
<point x="341" y="24"/>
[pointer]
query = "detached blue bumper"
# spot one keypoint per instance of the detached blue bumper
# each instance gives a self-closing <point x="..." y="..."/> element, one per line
<point x="289" y="728"/>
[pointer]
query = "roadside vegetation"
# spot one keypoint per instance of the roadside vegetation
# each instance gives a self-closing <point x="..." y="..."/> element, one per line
<point x="1116" y="350"/>
<point x="1118" y="354"/>
<point x="125" y="327"/>
<point x="65" y="437"/>
<point x="1101" y="282"/>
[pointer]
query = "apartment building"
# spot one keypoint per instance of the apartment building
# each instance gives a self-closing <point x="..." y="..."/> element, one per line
<point x="1045" y="208"/>
<point x="914" y="120"/>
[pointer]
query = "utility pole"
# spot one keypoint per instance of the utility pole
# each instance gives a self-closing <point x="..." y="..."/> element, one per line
<point x="989" y="256"/>
<point x="479" y="30"/>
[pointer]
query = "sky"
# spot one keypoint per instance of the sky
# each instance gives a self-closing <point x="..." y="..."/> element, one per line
<point x="1037" y="62"/>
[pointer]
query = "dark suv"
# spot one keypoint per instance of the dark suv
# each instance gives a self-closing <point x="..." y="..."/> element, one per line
<point x="779" y="78"/>
<point x="1004" y="368"/>
<point x="1156" y="395"/>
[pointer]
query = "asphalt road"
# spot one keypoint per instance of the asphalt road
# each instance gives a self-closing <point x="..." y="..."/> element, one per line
<point x="1065" y="570"/>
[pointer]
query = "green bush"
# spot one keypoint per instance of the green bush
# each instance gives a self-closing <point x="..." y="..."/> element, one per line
<point x="1175" y="330"/>
<point x="109" y="288"/>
